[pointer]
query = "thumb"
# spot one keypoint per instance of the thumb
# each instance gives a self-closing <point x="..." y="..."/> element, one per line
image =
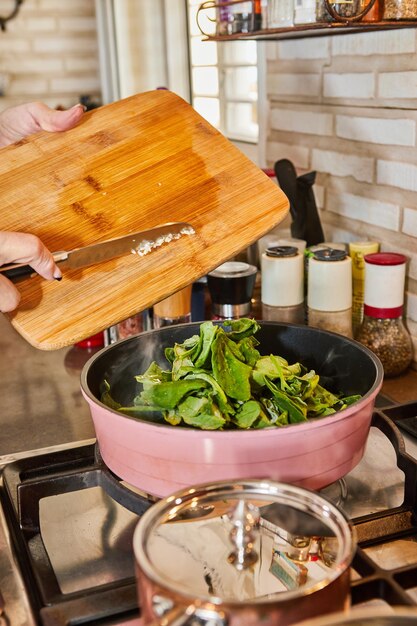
<point x="53" y="120"/>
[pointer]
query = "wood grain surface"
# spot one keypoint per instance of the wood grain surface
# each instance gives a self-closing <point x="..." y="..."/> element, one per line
<point x="128" y="166"/>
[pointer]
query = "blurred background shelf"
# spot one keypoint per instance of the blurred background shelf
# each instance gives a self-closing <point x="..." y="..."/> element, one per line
<point x="318" y="29"/>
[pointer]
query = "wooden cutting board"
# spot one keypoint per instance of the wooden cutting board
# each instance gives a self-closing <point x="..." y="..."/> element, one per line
<point x="128" y="166"/>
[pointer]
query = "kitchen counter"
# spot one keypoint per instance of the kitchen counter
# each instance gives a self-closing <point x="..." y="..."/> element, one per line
<point x="42" y="405"/>
<point x="41" y="401"/>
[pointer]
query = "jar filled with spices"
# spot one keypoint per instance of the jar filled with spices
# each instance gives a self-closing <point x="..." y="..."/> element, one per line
<point x="383" y="330"/>
<point x="282" y="286"/>
<point x="400" y="10"/>
<point x="347" y="8"/>
<point x="329" y="291"/>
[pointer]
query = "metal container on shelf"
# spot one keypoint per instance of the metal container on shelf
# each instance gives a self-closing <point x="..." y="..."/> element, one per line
<point x="344" y="11"/>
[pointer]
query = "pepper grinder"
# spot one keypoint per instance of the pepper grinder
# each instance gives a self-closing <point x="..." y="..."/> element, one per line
<point x="176" y="309"/>
<point x="383" y="330"/>
<point x="329" y="291"/>
<point x="231" y="288"/>
<point x="282" y="288"/>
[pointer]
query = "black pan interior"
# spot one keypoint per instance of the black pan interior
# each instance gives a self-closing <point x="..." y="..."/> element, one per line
<point x="344" y="365"/>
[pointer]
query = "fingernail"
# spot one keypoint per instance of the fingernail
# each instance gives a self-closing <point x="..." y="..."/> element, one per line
<point x="84" y="108"/>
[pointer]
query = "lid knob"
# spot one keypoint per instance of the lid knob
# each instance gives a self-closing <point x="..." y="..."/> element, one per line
<point x="245" y="518"/>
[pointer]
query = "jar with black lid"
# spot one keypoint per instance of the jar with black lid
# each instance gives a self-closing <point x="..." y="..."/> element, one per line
<point x="231" y="287"/>
<point x="383" y="329"/>
<point x="282" y="284"/>
<point x="329" y="291"/>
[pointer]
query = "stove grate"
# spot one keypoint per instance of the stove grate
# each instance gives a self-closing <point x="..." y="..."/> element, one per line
<point x="27" y="481"/>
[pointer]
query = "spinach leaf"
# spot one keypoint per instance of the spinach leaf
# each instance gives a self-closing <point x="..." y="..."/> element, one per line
<point x="168" y="395"/>
<point x="230" y="373"/>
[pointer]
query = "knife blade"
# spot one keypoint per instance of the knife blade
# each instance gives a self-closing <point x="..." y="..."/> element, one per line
<point x="139" y="243"/>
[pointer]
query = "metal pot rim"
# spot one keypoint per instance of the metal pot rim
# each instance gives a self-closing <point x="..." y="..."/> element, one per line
<point x="232" y="488"/>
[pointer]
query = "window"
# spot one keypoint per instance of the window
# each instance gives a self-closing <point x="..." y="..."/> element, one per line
<point x="224" y="78"/>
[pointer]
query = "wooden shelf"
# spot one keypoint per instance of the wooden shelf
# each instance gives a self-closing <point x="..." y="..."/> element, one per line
<point x="314" y="30"/>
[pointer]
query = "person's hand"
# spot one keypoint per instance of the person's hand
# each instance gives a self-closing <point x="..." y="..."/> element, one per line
<point x="23" y="248"/>
<point x="26" y="119"/>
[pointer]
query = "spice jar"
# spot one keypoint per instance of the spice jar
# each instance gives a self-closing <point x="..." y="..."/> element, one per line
<point x="282" y="287"/>
<point x="329" y="291"/>
<point x="176" y="309"/>
<point x="344" y="10"/>
<point x="383" y="329"/>
<point x="400" y="10"/>
<point x="280" y="13"/>
<point x="357" y="250"/>
<point x="231" y="288"/>
<point x="305" y="11"/>
<point x="349" y="8"/>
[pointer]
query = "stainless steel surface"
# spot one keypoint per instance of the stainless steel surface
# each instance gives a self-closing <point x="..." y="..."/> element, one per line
<point x="99" y="533"/>
<point x="41" y="402"/>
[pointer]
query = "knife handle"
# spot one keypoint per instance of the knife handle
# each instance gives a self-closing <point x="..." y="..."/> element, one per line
<point x="15" y="274"/>
<point x="18" y="271"/>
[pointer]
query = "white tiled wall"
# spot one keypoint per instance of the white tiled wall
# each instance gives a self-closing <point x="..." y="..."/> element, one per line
<point x="49" y="53"/>
<point x="345" y="106"/>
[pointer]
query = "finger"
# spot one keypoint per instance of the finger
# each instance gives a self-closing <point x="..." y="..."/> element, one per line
<point x="52" y="120"/>
<point x="9" y="295"/>
<point x="27" y="248"/>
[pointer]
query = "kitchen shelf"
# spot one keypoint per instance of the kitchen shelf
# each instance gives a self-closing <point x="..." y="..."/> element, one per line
<point x="313" y="30"/>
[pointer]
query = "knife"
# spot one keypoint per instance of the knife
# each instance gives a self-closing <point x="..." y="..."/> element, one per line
<point x="139" y="243"/>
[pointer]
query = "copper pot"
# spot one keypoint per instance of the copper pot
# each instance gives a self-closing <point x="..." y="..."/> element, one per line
<point x="242" y="553"/>
<point x="369" y="616"/>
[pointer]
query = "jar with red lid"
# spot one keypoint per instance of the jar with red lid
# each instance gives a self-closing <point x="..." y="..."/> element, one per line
<point x="383" y="330"/>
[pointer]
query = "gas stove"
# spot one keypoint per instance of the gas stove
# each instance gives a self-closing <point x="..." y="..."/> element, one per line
<point x="66" y="527"/>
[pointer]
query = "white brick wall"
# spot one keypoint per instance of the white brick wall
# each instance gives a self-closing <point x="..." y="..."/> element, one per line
<point x="49" y="53"/>
<point x="397" y="85"/>
<point x="410" y="223"/>
<point x="302" y="121"/>
<point x="368" y="210"/>
<point x="397" y="174"/>
<point x="360" y="85"/>
<point x="295" y="84"/>
<point x="304" y="49"/>
<point x="297" y="154"/>
<point x="384" y="42"/>
<point x="397" y="132"/>
<point x="355" y="124"/>
<point x="341" y="164"/>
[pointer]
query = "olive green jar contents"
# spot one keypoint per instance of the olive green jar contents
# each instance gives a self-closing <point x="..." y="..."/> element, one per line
<point x="383" y="330"/>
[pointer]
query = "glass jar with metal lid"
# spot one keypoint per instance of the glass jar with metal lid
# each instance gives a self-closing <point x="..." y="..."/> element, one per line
<point x="382" y="329"/>
<point x="231" y="288"/>
<point x="329" y="291"/>
<point x="282" y="284"/>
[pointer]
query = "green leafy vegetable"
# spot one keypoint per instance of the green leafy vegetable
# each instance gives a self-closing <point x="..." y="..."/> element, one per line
<point x="219" y="380"/>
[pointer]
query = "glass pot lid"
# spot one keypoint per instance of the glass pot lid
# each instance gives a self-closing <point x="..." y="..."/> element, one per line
<point x="246" y="541"/>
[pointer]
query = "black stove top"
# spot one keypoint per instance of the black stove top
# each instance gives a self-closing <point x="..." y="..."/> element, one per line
<point x="384" y="569"/>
